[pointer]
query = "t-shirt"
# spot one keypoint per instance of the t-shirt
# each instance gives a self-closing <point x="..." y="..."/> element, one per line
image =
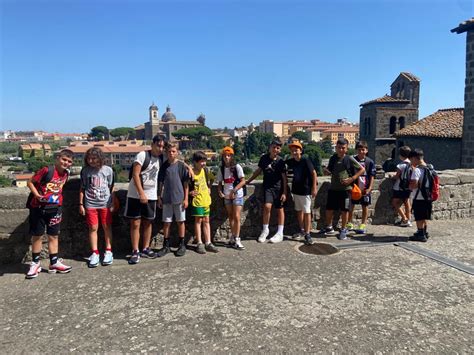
<point x="369" y="165"/>
<point x="149" y="177"/>
<point x="302" y="175"/>
<point x="401" y="167"/>
<point x="229" y="179"/>
<point x="52" y="191"/>
<point x="96" y="184"/>
<point x="417" y="175"/>
<point x="339" y="171"/>
<point x="272" y="171"/>
<point x="173" y="176"/>
<point x="203" y="197"/>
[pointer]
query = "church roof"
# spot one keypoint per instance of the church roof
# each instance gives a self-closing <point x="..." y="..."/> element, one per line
<point x="409" y="76"/>
<point x="445" y="123"/>
<point x="386" y="99"/>
<point x="464" y="26"/>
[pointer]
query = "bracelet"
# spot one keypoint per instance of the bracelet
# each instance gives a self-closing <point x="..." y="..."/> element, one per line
<point x="81" y="204"/>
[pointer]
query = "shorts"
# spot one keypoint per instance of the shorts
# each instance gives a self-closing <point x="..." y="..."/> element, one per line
<point x="45" y="218"/>
<point x="200" y="211"/>
<point x="273" y="196"/>
<point x="302" y="203"/>
<point x="174" y="209"/>
<point x="422" y="209"/>
<point x="366" y="200"/>
<point x="135" y="209"/>
<point x="94" y="215"/>
<point x="339" y="200"/>
<point x="401" y="194"/>
<point x="238" y="201"/>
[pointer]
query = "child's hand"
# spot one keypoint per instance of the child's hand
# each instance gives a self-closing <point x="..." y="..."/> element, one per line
<point x="314" y="192"/>
<point x="82" y="210"/>
<point x="143" y="199"/>
<point x="193" y="193"/>
<point x="283" y="198"/>
<point x="221" y="194"/>
<point x="185" y="204"/>
<point x="159" y="203"/>
<point x="347" y="181"/>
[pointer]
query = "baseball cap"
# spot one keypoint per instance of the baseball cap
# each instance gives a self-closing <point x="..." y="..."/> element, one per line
<point x="295" y="144"/>
<point x="276" y="142"/>
<point x="227" y="150"/>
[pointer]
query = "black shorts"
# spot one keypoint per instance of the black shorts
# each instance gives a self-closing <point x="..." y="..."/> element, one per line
<point x="401" y="194"/>
<point x="422" y="209"/>
<point x="366" y="200"/>
<point x="273" y="196"/>
<point x="339" y="200"/>
<point x="45" y="218"/>
<point x="135" y="209"/>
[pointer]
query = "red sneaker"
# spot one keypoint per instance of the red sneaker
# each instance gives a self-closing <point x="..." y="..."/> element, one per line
<point x="59" y="267"/>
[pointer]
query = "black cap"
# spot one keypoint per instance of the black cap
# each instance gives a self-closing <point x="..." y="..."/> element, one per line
<point x="276" y="142"/>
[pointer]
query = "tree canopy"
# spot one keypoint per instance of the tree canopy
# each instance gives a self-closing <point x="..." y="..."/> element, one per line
<point x="257" y="144"/>
<point x="193" y="133"/>
<point x="301" y="136"/>
<point x="125" y="133"/>
<point x="99" y="132"/>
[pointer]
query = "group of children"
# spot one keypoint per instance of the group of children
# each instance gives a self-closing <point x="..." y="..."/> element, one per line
<point x="158" y="179"/>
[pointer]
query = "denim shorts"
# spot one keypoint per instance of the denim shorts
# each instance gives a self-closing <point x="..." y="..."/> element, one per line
<point x="238" y="201"/>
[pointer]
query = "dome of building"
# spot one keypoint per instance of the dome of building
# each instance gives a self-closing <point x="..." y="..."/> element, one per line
<point x="168" y="115"/>
<point x="153" y="107"/>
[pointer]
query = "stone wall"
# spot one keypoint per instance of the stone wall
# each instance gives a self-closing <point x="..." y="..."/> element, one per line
<point x="456" y="201"/>
<point x="467" y="152"/>
<point x="443" y="153"/>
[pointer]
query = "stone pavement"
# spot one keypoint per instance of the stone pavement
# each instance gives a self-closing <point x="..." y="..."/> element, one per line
<point x="268" y="298"/>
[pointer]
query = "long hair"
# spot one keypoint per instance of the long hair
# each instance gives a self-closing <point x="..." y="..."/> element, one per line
<point x="231" y="166"/>
<point x="97" y="152"/>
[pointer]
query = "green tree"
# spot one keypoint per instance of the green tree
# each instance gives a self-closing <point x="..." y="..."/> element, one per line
<point x="99" y="132"/>
<point x="257" y="144"/>
<point x="326" y="147"/>
<point x="9" y="147"/>
<point x="125" y="133"/>
<point x="215" y="143"/>
<point x="34" y="163"/>
<point x="314" y="153"/>
<point x="238" y="150"/>
<point x="301" y="136"/>
<point x="120" y="174"/>
<point x="195" y="134"/>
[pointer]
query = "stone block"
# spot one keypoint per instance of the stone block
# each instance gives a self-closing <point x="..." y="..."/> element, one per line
<point x="448" y="179"/>
<point x="14" y="221"/>
<point x="466" y="177"/>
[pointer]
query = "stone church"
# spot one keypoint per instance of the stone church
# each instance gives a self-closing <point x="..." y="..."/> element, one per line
<point x="166" y="125"/>
<point x="381" y="118"/>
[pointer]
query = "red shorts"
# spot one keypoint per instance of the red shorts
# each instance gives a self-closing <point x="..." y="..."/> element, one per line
<point x="94" y="214"/>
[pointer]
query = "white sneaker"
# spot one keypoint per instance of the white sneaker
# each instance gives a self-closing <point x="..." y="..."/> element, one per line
<point x="277" y="238"/>
<point x="108" y="258"/>
<point x="342" y="234"/>
<point x="35" y="269"/>
<point x="263" y="236"/>
<point x="238" y="244"/>
<point x="93" y="260"/>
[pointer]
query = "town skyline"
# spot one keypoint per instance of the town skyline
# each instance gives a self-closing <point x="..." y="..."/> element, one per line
<point x="238" y="63"/>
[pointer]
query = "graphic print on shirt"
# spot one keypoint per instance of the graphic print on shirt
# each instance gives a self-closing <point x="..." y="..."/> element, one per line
<point x="52" y="191"/>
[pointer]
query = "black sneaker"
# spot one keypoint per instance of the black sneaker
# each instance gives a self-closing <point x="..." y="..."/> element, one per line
<point x="211" y="248"/>
<point x="163" y="251"/>
<point x="181" y="250"/>
<point x="148" y="253"/>
<point x="418" y="237"/>
<point x="308" y="240"/>
<point x="135" y="258"/>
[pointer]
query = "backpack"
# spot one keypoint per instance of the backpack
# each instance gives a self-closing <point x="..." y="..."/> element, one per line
<point x="405" y="178"/>
<point x="429" y="186"/>
<point x="236" y="178"/>
<point x="44" y="180"/>
<point x="144" y="166"/>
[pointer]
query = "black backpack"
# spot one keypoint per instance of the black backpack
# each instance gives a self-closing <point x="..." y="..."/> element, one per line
<point x="144" y="166"/>
<point x="405" y="178"/>
<point x="44" y="180"/>
<point x="236" y="178"/>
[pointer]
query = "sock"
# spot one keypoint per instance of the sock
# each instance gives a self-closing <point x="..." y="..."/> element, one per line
<point x="181" y="241"/>
<point x="53" y="258"/>
<point x="108" y="249"/>
<point x="280" y="229"/>
<point x="302" y="230"/>
<point x="36" y="257"/>
<point x="265" y="227"/>
<point x="95" y="251"/>
<point x="421" y="231"/>
<point x="166" y="243"/>
<point x="145" y="250"/>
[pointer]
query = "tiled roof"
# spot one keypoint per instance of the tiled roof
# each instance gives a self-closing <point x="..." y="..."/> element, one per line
<point x="410" y="76"/>
<point x="110" y="149"/>
<point x="22" y="176"/>
<point x="445" y="123"/>
<point x="464" y="26"/>
<point x="343" y="129"/>
<point x="386" y="99"/>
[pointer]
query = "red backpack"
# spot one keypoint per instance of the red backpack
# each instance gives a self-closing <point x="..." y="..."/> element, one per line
<point x="429" y="186"/>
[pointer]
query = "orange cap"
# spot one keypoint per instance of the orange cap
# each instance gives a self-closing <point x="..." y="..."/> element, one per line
<point x="295" y="144"/>
<point x="227" y="150"/>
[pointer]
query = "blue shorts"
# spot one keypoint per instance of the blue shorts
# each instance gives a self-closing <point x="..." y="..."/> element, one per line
<point x="238" y="201"/>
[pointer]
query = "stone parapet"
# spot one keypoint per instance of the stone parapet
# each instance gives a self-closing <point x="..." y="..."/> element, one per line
<point x="456" y="201"/>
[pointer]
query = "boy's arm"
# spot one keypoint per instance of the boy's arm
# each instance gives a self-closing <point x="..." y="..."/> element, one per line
<point x="186" y="192"/>
<point x="314" y="188"/>
<point x="33" y="189"/>
<point x="82" y="210"/>
<point x="284" y="181"/>
<point x="137" y="168"/>
<point x="256" y="173"/>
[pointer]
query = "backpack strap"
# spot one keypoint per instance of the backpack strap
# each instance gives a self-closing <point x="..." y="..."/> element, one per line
<point x="422" y="184"/>
<point x="147" y="160"/>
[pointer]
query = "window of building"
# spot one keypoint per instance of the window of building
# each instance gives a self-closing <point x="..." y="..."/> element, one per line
<point x="393" y="125"/>
<point x="401" y="122"/>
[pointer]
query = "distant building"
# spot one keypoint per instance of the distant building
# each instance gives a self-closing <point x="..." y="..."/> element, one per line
<point x="270" y="126"/>
<point x="34" y="150"/>
<point x="116" y="153"/>
<point x="439" y="135"/>
<point x="166" y="126"/>
<point x="20" y="180"/>
<point x="381" y="118"/>
<point x="351" y="133"/>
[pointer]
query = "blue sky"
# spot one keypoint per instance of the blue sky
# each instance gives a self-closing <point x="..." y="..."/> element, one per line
<point x="68" y="66"/>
